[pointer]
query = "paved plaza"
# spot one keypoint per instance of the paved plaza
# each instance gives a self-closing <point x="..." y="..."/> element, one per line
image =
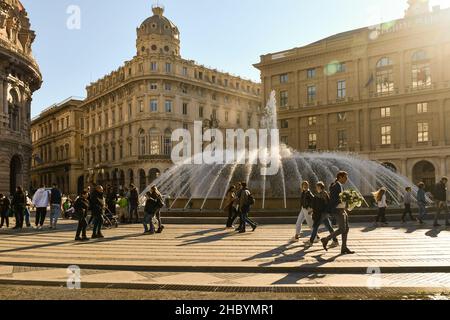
<point x="188" y="257"/>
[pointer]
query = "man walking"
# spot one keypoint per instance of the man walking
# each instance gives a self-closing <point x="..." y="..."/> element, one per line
<point x="97" y="205"/>
<point x="440" y="197"/>
<point x="41" y="201"/>
<point x="337" y="207"/>
<point x="4" y="210"/>
<point x="19" y="202"/>
<point x="246" y="200"/>
<point x="55" y="206"/>
<point x="134" y="203"/>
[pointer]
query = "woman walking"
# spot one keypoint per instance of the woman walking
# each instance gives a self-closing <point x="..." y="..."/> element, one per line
<point x="306" y="199"/>
<point x="407" y="200"/>
<point x="320" y="205"/>
<point x="81" y="207"/>
<point x="229" y="207"/>
<point x="421" y="202"/>
<point x="381" y="199"/>
<point x="19" y="202"/>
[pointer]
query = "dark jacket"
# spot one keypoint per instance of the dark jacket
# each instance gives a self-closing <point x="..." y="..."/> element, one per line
<point x="335" y="199"/>
<point x="55" y="196"/>
<point x="97" y="203"/>
<point x="320" y="204"/>
<point x="4" y="205"/>
<point x="19" y="199"/>
<point x="81" y="207"/>
<point x="306" y="199"/>
<point x="153" y="204"/>
<point x="134" y="198"/>
<point x="440" y="192"/>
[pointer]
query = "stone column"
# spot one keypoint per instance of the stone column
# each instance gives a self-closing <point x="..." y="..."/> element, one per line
<point x="5" y="97"/>
<point x="326" y="139"/>
<point x="404" y="168"/>
<point x="2" y="94"/>
<point x="367" y="141"/>
<point x="357" y="142"/>
<point x="401" y="84"/>
<point x="442" y="131"/>
<point x="403" y="126"/>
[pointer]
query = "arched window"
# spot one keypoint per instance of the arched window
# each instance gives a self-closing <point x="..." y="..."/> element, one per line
<point x="167" y="142"/>
<point x="14" y="111"/>
<point x="155" y="142"/>
<point x="385" y="76"/>
<point x="421" y="70"/>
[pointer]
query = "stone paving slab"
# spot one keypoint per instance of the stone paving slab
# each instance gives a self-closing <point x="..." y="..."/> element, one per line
<point x="191" y="248"/>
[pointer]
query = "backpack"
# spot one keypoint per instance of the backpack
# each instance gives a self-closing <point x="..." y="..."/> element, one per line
<point x="250" y="200"/>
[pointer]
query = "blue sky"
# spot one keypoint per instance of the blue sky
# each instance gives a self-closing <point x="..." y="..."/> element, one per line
<point x="229" y="35"/>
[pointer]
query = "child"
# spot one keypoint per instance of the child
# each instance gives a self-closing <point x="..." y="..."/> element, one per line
<point x="380" y="198"/>
<point x="407" y="199"/>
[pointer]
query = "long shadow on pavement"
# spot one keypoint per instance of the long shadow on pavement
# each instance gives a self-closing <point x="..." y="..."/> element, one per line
<point x="208" y="239"/>
<point x="199" y="233"/>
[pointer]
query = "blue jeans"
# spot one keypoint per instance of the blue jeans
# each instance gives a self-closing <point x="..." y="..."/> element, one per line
<point x="27" y="217"/>
<point x="245" y="219"/>
<point x="55" y="213"/>
<point x="148" y="220"/>
<point x="325" y="219"/>
<point x="422" y="210"/>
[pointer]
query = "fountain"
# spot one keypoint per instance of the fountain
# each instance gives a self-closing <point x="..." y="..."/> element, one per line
<point x="203" y="187"/>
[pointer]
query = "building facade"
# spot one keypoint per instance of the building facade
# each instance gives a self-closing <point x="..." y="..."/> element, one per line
<point x="382" y="92"/>
<point x="131" y="113"/>
<point x="19" y="78"/>
<point x="58" y="153"/>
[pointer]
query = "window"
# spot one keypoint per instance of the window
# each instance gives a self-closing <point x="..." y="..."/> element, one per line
<point x="284" y="99"/>
<point x="312" y="141"/>
<point x="200" y="112"/>
<point x="285" y="140"/>
<point x="249" y="119"/>
<point x="167" y="86"/>
<point x="312" y="121"/>
<point x="238" y="120"/>
<point x="154" y="105"/>
<point x="129" y="111"/>
<point x="385" y="112"/>
<point x="385" y="81"/>
<point x="185" y="71"/>
<point x="113" y="153"/>
<point x="141" y="142"/>
<point x="342" y="116"/>
<point x="419" y="56"/>
<point x="311" y="94"/>
<point x="422" y="108"/>
<point x="153" y="86"/>
<point x="384" y="62"/>
<point x="153" y="66"/>
<point x="141" y="106"/>
<point x="185" y="108"/>
<point x="214" y="96"/>
<point x="185" y="126"/>
<point x="227" y="116"/>
<point x="121" y="151"/>
<point x="284" y="78"/>
<point x="213" y="79"/>
<point x="168" y="106"/>
<point x="167" y="143"/>
<point x="214" y="114"/>
<point x="154" y="142"/>
<point x="386" y="138"/>
<point x="284" y="124"/>
<point x="311" y="73"/>
<point x="342" y="139"/>
<point x="423" y="132"/>
<point x="168" y="67"/>
<point x="341" y="67"/>
<point x="341" y="89"/>
<point x="421" y="76"/>
<point x="200" y="75"/>
<point x="225" y="83"/>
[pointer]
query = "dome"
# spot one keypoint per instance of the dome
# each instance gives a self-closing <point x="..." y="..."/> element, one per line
<point x="159" y="25"/>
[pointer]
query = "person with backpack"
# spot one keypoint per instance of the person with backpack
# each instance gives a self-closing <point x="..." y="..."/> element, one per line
<point x="320" y="215"/>
<point x="55" y="205"/>
<point x="97" y="205"/>
<point x="246" y="201"/>
<point x="229" y="206"/>
<point x="153" y="204"/>
<point x="4" y="210"/>
<point x="81" y="207"/>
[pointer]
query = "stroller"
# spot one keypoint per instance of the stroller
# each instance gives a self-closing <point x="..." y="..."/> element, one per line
<point x="110" y="220"/>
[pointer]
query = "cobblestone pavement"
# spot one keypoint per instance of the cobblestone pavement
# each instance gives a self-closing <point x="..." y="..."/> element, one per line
<point x="212" y="258"/>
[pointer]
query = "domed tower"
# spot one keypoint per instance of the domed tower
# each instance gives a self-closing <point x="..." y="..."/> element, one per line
<point x="417" y="7"/>
<point x="158" y="34"/>
<point x="19" y="78"/>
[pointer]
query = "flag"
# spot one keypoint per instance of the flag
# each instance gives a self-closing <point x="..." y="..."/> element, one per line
<point x="38" y="159"/>
<point x="370" y="81"/>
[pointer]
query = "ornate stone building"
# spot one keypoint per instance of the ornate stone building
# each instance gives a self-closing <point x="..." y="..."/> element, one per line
<point x="58" y="153"/>
<point x="19" y="78"/>
<point x="130" y="114"/>
<point x="382" y="92"/>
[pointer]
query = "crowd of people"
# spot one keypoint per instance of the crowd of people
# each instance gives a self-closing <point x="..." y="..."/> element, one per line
<point x="317" y="207"/>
